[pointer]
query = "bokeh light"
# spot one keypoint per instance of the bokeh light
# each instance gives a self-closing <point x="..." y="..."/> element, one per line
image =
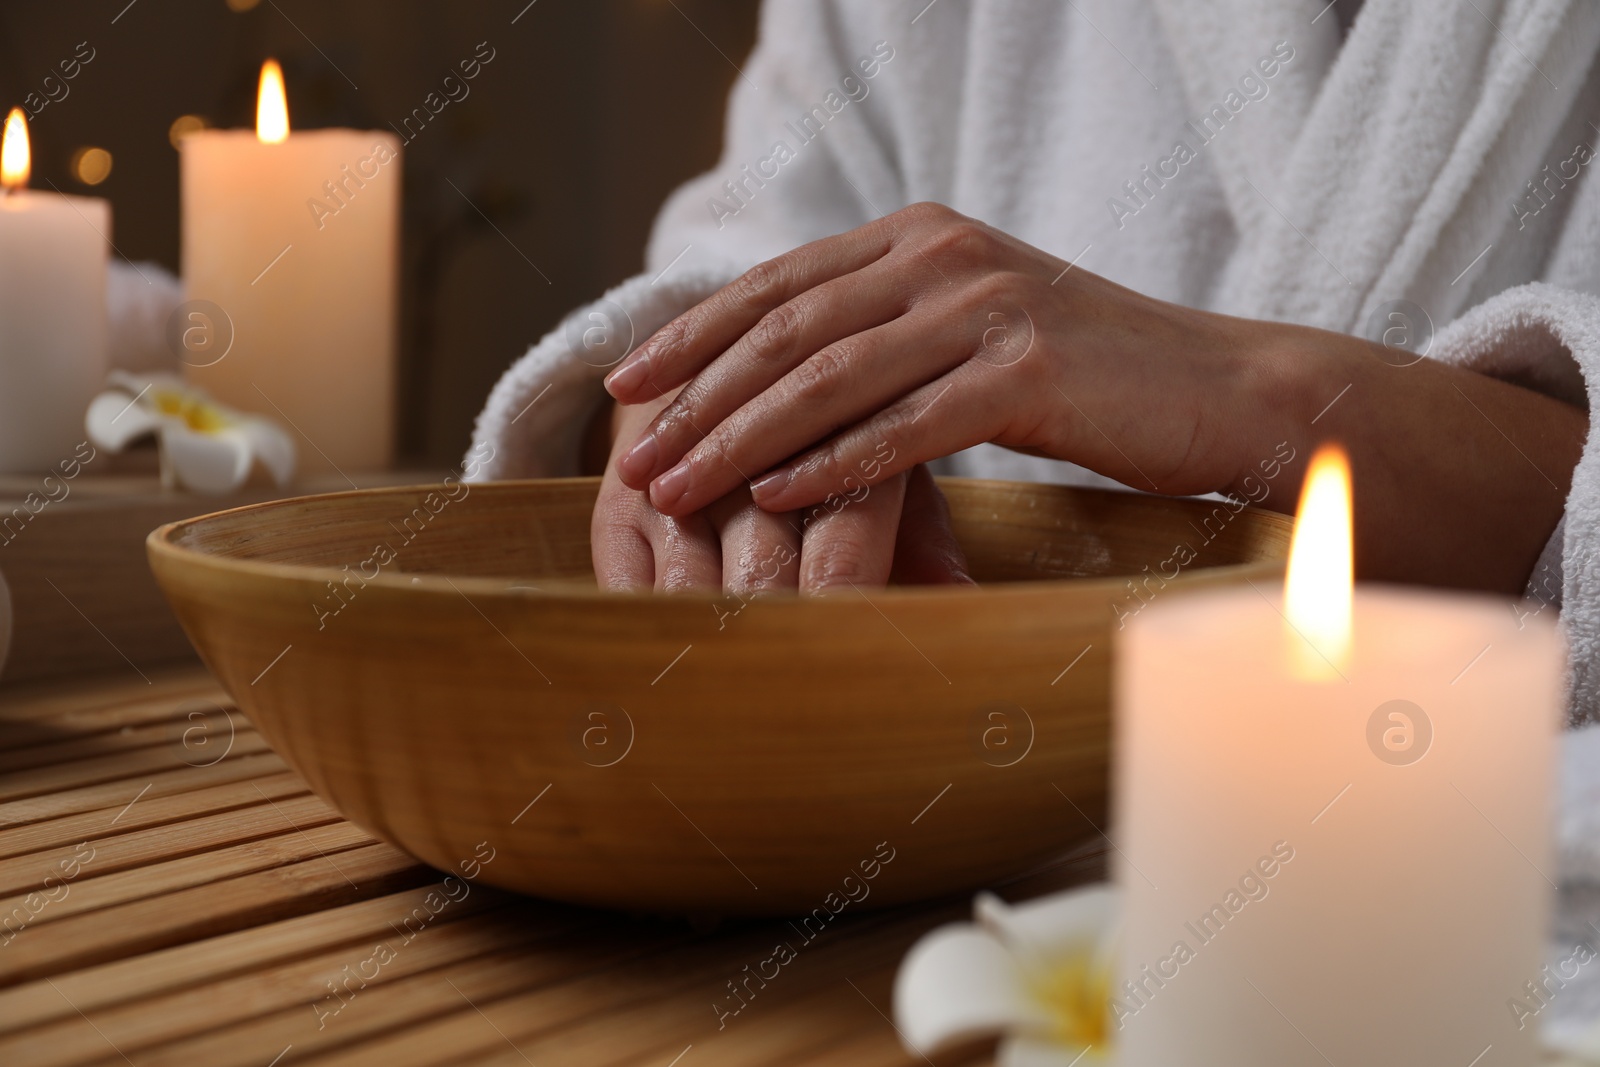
<point x="91" y="165"/>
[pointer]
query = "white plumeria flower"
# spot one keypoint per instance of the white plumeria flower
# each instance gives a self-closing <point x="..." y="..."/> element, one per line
<point x="1038" y="973"/>
<point x="1041" y="975"/>
<point x="1573" y="1045"/>
<point x="204" y="446"/>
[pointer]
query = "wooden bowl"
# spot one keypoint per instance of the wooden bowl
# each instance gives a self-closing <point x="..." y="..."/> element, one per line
<point x="438" y="664"/>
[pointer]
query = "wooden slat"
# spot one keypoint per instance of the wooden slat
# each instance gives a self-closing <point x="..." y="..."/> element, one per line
<point x="672" y="1015"/>
<point x="377" y="1013"/>
<point x="200" y="911"/>
<point x="118" y="792"/>
<point x="183" y="967"/>
<point x="90" y="893"/>
<point x="788" y="1031"/>
<point x="880" y="1048"/>
<point x="208" y="727"/>
<point x="119" y="696"/>
<point x="660" y="1030"/>
<point x="859" y="1032"/>
<point x="119" y="765"/>
<point x="594" y="960"/>
<point x="27" y="724"/>
<point x="162" y="845"/>
<point x="146" y="812"/>
<point x="664" y="996"/>
<point x="290" y="988"/>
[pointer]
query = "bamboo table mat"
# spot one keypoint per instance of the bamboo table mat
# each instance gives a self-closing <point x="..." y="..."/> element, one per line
<point x="172" y="894"/>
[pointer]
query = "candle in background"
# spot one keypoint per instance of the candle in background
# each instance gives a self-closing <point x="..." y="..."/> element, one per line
<point x="1334" y="816"/>
<point x="53" y="339"/>
<point x="292" y="242"/>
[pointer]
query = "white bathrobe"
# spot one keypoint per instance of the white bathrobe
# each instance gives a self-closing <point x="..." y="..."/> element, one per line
<point x="1245" y="156"/>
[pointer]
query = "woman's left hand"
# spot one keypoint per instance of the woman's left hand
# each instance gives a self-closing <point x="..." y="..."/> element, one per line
<point x="922" y="334"/>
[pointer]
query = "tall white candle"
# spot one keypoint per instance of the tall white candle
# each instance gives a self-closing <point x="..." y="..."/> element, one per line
<point x="292" y="240"/>
<point x="53" y="339"/>
<point x="1334" y="854"/>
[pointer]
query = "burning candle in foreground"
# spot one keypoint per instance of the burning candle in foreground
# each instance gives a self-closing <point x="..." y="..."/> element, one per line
<point x="1333" y="818"/>
<point x="53" y="340"/>
<point x="290" y="264"/>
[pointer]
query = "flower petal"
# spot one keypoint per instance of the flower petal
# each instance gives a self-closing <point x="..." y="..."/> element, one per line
<point x="1054" y="925"/>
<point x="115" y="418"/>
<point x="207" y="462"/>
<point x="958" y="982"/>
<point x="1033" y="1052"/>
<point x="271" y="445"/>
<point x="1578" y="1043"/>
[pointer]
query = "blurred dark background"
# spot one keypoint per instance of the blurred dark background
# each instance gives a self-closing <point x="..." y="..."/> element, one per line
<point x="589" y="114"/>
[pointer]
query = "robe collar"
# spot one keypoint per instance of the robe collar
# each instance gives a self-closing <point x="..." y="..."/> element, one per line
<point x="1368" y="171"/>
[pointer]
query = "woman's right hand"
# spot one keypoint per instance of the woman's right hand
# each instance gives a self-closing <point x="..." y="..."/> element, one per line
<point x="899" y="527"/>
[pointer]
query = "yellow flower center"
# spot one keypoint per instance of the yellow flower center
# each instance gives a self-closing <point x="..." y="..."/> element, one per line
<point x="196" y="413"/>
<point x="1077" y="992"/>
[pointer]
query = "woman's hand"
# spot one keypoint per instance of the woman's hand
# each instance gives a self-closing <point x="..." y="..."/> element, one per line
<point x="926" y="333"/>
<point x="852" y="359"/>
<point x="900" y="528"/>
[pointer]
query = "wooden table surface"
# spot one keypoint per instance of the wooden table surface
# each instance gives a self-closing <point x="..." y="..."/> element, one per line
<point x="171" y="893"/>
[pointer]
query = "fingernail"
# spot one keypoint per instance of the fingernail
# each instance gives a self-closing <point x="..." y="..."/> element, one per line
<point x="637" y="462"/>
<point x="769" y="486"/>
<point x="627" y="378"/>
<point x="668" y="489"/>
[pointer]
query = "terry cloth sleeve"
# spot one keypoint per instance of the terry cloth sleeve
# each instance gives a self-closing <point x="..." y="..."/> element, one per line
<point x="1548" y="338"/>
<point x="807" y="153"/>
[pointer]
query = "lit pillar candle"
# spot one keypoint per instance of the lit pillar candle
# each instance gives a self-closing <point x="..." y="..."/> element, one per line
<point x="1333" y="815"/>
<point x="292" y="240"/>
<point x="53" y="340"/>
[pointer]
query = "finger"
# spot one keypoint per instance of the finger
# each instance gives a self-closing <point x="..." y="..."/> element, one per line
<point x="926" y="551"/>
<point x="674" y="353"/>
<point x="793" y="335"/>
<point x="849" y="540"/>
<point x="760" y="550"/>
<point x="966" y="407"/>
<point x="688" y="553"/>
<point x="838" y="386"/>
<point x="622" y="554"/>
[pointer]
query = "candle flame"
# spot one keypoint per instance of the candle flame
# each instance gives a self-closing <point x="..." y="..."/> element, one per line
<point x="15" y="160"/>
<point x="272" y="106"/>
<point x="1318" y="588"/>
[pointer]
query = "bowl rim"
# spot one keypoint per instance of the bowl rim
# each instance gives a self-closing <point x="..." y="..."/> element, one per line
<point x="161" y="543"/>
